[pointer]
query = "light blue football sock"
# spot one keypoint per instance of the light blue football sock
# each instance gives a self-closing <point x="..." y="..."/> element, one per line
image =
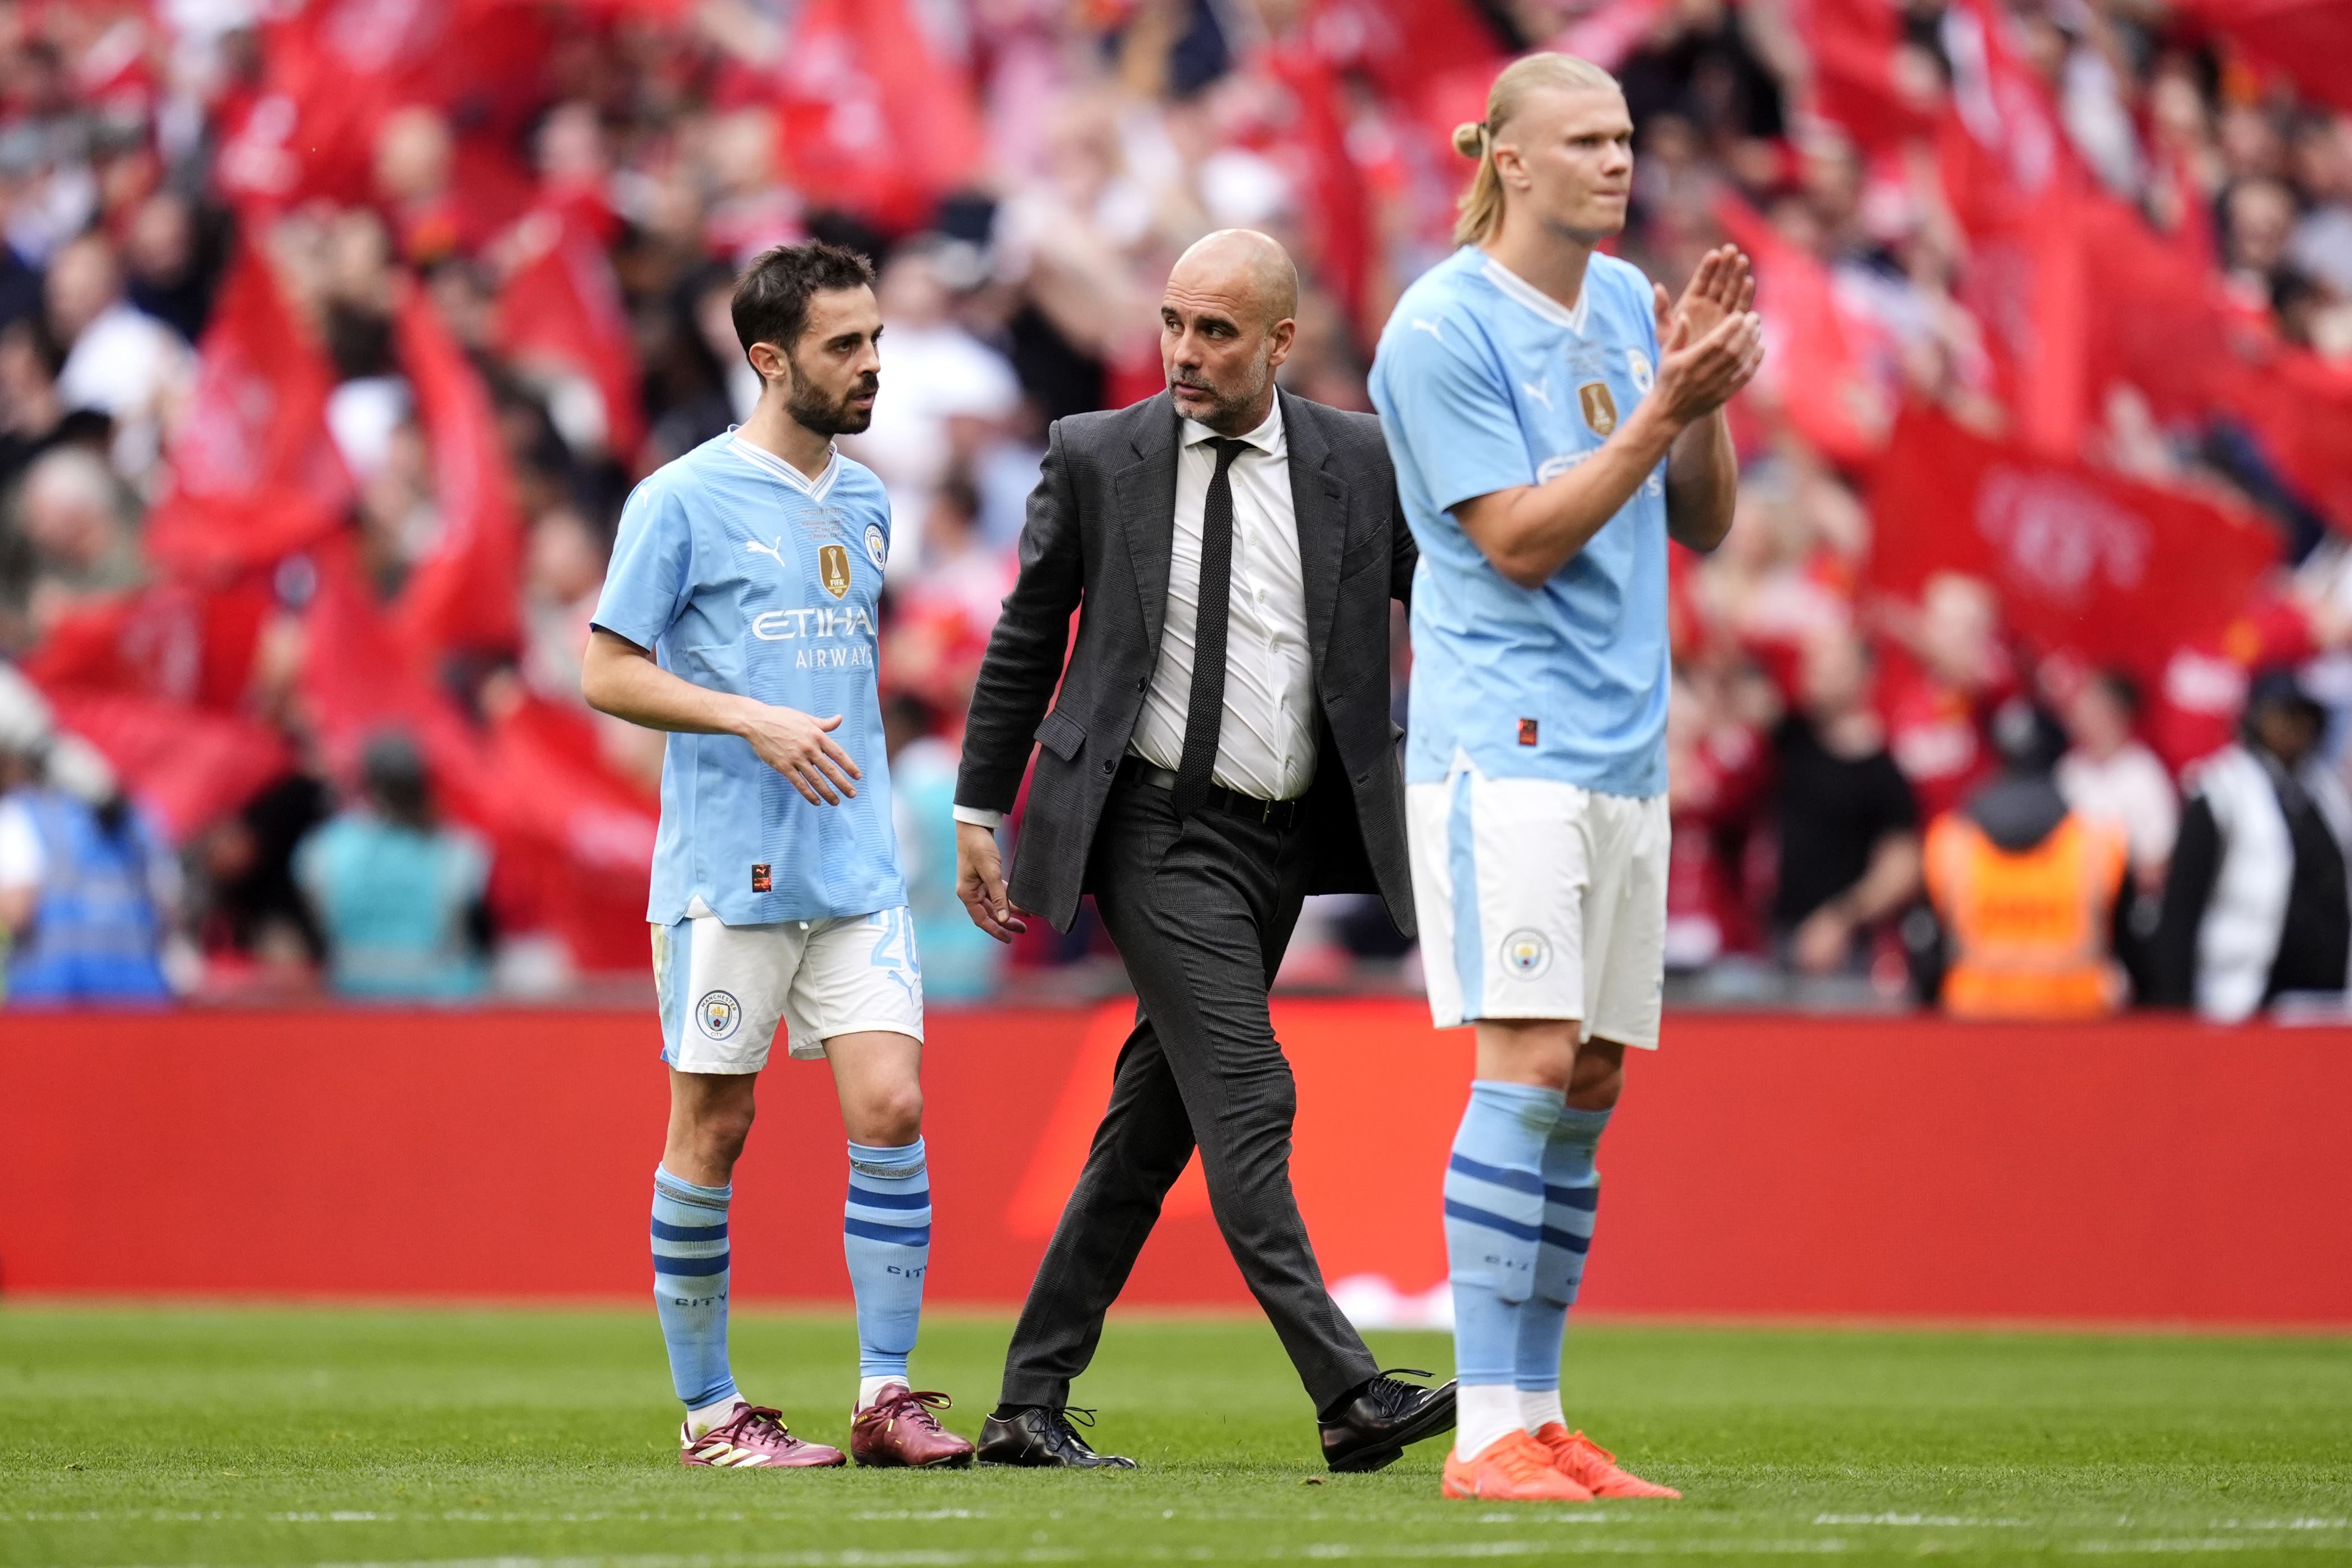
<point x="1571" y="1193"/>
<point x="1494" y="1222"/>
<point x="690" y="1271"/>
<point x="886" y="1233"/>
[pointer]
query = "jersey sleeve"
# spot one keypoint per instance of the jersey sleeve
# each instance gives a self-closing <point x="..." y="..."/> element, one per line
<point x="1451" y="406"/>
<point x="648" y="582"/>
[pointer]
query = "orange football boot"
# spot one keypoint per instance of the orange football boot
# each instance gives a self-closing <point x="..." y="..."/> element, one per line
<point x="1514" y="1468"/>
<point x="1592" y="1466"/>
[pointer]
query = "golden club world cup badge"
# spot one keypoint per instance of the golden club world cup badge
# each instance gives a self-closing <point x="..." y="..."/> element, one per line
<point x="833" y="567"/>
<point x="1600" y="408"/>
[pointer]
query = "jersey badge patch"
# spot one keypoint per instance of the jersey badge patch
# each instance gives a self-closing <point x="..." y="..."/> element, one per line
<point x="833" y="570"/>
<point x="761" y="882"/>
<point x="877" y="548"/>
<point x="1600" y="408"/>
<point x="718" y="1014"/>
<point x="1527" y="732"/>
<point x="1526" y="953"/>
<point x="1637" y="365"/>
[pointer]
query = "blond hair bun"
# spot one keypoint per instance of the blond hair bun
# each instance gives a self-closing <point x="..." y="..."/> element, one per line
<point x="1470" y="137"/>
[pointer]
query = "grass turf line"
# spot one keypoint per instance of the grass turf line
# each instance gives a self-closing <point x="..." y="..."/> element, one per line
<point x="230" y="1437"/>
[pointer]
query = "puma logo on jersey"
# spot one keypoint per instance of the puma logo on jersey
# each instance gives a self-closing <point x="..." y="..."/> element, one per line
<point x="1540" y="390"/>
<point x="1423" y="324"/>
<point x="774" y="552"/>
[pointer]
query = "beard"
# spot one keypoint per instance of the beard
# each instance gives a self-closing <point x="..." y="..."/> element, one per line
<point x="1228" y="406"/>
<point x="812" y="409"/>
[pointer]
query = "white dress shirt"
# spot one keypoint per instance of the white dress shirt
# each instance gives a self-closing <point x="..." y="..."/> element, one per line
<point x="1266" y="740"/>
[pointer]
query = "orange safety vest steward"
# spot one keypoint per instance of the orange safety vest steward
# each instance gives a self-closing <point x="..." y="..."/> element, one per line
<point x="2027" y="932"/>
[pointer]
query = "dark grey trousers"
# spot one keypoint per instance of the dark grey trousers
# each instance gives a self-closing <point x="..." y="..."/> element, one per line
<point x="1202" y="910"/>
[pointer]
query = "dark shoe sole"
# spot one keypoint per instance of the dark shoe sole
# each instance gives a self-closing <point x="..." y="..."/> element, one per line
<point x="1050" y="1465"/>
<point x="1438" y="1417"/>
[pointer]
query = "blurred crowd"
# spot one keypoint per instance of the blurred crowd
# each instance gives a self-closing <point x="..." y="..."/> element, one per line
<point x="333" y="335"/>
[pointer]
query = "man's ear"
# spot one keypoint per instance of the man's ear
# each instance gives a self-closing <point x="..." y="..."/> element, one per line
<point x="770" y="361"/>
<point x="1281" y="338"/>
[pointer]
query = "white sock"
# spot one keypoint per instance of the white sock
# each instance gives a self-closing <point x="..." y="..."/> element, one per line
<point x="700" y="1422"/>
<point x="1539" y="1409"/>
<point x="869" y="1389"/>
<point x="1482" y="1413"/>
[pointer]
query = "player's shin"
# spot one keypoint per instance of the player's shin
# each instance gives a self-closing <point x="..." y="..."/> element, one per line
<point x="691" y="1256"/>
<point x="1571" y="1195"/>
<point x="887" y="1238"/>
<point x="1494" y="1225"/>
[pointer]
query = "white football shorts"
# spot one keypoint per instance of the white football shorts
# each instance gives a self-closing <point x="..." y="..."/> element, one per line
<point x="1540" y="899"/>
<point x="723" y="989"/>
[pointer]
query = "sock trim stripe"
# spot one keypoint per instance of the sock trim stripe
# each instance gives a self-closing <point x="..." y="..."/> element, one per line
<point x="1585" y="1198"/>
<point x="1554" y="1236"/>
<point x="1517" y="1231"/>
<point x="887" y="1172"/>
<point x="687" y="1268"/>
<point x="1496" y="1175"/>
<point x="701" y="1197"/>
<point x="873" y="1198"/>
<point x="665" y="1231"/>
<point x="897" y="1235"/>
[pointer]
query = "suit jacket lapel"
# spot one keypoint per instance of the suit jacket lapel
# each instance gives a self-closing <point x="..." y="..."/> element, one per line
<point x="1316" y="503"/>
<point x="1146" y="504"/>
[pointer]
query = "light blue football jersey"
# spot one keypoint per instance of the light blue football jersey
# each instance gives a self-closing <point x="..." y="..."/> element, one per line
<point x="1484" y="382"/>
<point x="744" y="577"/>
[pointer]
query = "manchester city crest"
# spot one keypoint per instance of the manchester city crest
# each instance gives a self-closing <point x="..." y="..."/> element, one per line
<point x="1526" y="953"/>
<point x="833" y="569"/>
<point x="877" y="548"/>
<point x="718" y="1014"/>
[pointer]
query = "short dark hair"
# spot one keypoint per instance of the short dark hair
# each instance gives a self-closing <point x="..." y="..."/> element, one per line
<point x="771" y="298"/>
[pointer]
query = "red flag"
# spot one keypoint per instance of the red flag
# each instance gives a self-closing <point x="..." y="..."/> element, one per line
<point x="1815" y="373"/>
<point x="253" y="472"/>
<point x="560" y="310"/>
<point x="2309" y="42"/>
<point x="188" y="766"/>
<point x="575" y="840"/>
<point x="463" y="593"/>
<point x="2085" y="563"/>
<point x="1338" y="205"/>
<point x="1853" y="47"/>
<point x="871" y="119"/>
<point x="2016" y="187"/>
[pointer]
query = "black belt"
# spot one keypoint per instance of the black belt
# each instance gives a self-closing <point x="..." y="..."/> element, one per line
<point x="1282" y="814"/>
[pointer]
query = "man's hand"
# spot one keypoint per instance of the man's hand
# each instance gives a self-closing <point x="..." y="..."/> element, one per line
<point x="980" y="882"/>
<point x="799" y="746"/>
<point x="1711" y="342"/>
<point x="1822" y="942"/>
<point x="1722" y="286"/>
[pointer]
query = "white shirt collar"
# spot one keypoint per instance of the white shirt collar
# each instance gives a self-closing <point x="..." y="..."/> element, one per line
<point x="1517" y="288"/>
<point x="1266" y="437"/>
<point x="768" y="463"/>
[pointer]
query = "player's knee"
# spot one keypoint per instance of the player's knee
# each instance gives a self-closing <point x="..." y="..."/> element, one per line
<point x="1597" y="1080"/>
<point x="893" y="1115"/>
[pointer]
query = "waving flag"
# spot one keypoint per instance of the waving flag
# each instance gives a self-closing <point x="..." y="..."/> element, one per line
<point x="560" y="310"/>
<point x="1816" y="370"/>
<point x="872" y="119"/>
<point x="253" y="473"/>
<point x="463" y="593"/>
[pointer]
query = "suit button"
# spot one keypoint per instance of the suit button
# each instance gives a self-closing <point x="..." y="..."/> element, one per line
<point x="1109" y="767"/>
<point x="1144" y="684"/>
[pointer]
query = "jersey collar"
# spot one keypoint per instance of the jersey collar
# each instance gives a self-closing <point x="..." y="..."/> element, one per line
<point x="768" y="463"/>
<point x="1515" y="287"/>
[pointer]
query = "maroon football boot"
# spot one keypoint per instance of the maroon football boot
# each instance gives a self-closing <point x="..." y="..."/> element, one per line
<point x="754" y="1437"/>
<point x="898" y="1428"/>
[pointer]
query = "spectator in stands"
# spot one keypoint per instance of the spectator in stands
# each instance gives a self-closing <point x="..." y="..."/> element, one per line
<point x="1849" y="826"/>
<point x="399" y="896"/>
<point x="120" y="360"/>
<point x="74" y="516"/>
<point x="2109" y="775"/>
<point x="88" y="888"/>
<point x="2025" y="887"/>
<point x="2255" y="906"/>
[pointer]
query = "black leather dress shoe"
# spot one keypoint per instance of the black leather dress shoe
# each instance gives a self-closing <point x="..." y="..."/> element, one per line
<point x="1035" y="1435"/>
<point x="1376" y="1422"/>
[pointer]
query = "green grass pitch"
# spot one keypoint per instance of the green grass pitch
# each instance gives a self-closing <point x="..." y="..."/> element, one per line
<point x="534" y="1439"/>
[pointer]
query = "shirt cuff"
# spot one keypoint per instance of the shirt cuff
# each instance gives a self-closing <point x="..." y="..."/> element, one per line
<point x="980" y="817"/>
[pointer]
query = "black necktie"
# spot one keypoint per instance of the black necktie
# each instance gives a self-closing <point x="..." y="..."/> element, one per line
<point x="1205" y="712"/>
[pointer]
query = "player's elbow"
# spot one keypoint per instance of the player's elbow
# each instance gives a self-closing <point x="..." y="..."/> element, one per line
<point x="603" y="668"/>
<point x="1518" y="564"/>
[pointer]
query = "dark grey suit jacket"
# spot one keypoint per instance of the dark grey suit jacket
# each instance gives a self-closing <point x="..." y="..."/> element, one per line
<point x="1101" y="530"/>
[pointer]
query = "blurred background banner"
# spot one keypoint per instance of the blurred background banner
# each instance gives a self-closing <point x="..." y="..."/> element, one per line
<point x="1759" y="1167"/>
<point x="333" y="333"/>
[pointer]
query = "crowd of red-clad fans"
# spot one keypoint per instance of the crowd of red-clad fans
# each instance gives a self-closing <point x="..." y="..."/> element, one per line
<point x="333" y="333"/>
